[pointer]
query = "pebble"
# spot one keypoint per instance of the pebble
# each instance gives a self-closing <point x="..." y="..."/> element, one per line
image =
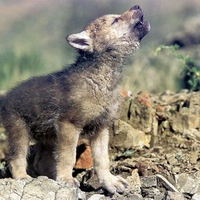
<point x="174" y="196"/>
<point x="186" y="184"/>
<point x="196" y="196"/>
<point x="98" y="197"/>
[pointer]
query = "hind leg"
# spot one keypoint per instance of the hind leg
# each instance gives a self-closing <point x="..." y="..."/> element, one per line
<point x="18" y="145"/>
<point x="66" y="150"/>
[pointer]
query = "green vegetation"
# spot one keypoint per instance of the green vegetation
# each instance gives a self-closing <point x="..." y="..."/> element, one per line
<point x="13" y="67"/>
<point x="190" y="70"/>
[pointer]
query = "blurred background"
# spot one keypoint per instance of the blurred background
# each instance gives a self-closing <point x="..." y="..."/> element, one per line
<point x="32" y="39"/>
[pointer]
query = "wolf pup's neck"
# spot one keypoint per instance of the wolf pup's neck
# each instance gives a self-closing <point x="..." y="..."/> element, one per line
<point x="109" y="59"/>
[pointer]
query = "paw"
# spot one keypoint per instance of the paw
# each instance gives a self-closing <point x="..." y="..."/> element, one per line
<point x="114" y="183"/>
<point x="22" y="177"/>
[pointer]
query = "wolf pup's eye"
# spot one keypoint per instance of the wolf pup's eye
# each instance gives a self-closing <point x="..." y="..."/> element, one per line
<point x="115" y="21"/>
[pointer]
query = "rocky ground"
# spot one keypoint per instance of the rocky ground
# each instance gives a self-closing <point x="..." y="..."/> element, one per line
<point x="154" y="145"/>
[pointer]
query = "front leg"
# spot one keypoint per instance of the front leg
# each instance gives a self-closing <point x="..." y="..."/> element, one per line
<point x="66" y="150"/>
<point x="99" y="147"/>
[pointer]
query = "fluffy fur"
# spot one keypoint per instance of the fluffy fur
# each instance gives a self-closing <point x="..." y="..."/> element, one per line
<point x="84" y="97"/>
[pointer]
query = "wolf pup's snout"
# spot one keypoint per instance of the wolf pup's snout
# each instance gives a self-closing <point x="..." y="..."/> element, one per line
<point x="136" y="7"/>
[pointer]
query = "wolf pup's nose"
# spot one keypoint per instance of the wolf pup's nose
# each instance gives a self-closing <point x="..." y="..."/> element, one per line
<point x="136" y="7"/>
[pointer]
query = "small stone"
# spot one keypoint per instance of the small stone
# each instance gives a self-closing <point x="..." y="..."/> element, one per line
<point x="127" y="196"/>
<point x="38" y="188"/>
<point x="160" y="196"/>
<point x="134" y="182"/>
<point x="175" y="170"/>
<point x="143" y="167"/>
<point x="98" y="197"/>
<point x="171" y="159"/>
<point x="150" y="181"/>
<point x="132" y="197"/>
<point x="84" y="155"/>
<point x="186" y="184"/>
<point x="164" y="182"/>
<point x="142" y="112"/>
<point x="136" y="177"/>
<point x="150" y="192"/>
<point x="174" y="196"/>
<point x="184" y="120"/>
<point x="126" y="137"/>
<point x="194" y="157"/>
<point x="196" y="196"/>
<point x="166" y="124"/>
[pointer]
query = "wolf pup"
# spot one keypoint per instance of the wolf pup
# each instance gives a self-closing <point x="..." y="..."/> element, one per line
<point x="84" y="97"/>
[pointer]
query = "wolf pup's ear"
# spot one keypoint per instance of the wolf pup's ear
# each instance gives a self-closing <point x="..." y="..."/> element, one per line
<point x="80" y="41"/>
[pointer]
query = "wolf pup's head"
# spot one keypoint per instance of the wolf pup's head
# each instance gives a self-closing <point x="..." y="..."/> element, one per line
<point x="117" y="33"/>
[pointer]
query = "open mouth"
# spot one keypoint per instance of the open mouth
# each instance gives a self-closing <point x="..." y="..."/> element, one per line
<point x="142" y="26"/>
<point x="139" y="16"/>
<point x="139" y="25"/>
<point x="142" y="18"/>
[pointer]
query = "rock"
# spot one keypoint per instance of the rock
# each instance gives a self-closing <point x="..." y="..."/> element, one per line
<point x="156" y="187"/>
<point x="150" y="188"/>
<point x="194" y="157"/>
<point x="141" y="112"/>
<point x="171" y="159"/>
<point x="196" y="196"/>
<point x="164" y="182"/>
<point x="132" y="197"/>
<point x="180" y="110"/>
<point x="134" y="182"/>
<point x="187" y="184"/>
<point x="150" y="181"/>
<point x="178" y="116"/>
<point x="125" y="109"/>
<point x="144" y="167"/>
<point x="126" y="137"/>
<point x="98" y="197"/>
<point x="152" y="193"/>
<point x="174" y="195"/>
<point x="176" y="170"/>
<point x="89" y="181"/>
<point x="39" y="188"/>
<point x="185" y="119"/>
<point x="128" y="197"/>
<point x="84" y="155"/>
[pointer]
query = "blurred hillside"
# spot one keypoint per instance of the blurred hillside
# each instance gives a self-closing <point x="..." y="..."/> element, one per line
<point x="32" y="37"/>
